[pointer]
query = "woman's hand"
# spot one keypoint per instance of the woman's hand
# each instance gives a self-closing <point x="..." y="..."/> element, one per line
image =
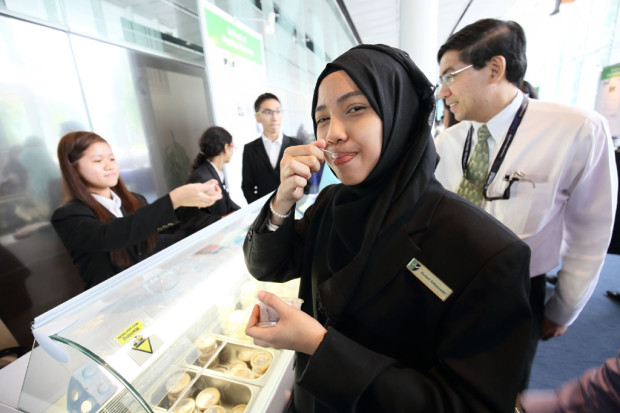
<point x="296" y="167"/>
<point x="296" y="330"/>
<point x="196" y="195"/>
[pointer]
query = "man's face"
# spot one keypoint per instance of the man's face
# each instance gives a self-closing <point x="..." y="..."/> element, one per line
<point x="466" y="96"/>
<point x="270" y="116"/>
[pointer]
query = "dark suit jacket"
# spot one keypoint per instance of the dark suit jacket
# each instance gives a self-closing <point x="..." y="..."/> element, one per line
<point x="258" y="177"/>
<point x="193" y="219"/>
<point x="89" y="240"/>
<point x="395" y="346"/>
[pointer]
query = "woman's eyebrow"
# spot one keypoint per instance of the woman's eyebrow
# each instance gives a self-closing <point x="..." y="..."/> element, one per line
<point x="341" y="99"/>
<point x="349" y="95"/>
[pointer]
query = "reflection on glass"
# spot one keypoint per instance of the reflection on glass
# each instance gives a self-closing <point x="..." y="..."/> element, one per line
<point x="41" y="9"/>
<point x="40" y="99"/>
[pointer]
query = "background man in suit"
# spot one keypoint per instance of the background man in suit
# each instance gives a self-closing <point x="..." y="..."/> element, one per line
<point x="552" y="176"/>
<point x="261" y="157"/>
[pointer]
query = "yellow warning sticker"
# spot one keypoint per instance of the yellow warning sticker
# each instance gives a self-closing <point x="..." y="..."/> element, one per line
<point x="143" y="344"/>
<point x="129" y="333"/>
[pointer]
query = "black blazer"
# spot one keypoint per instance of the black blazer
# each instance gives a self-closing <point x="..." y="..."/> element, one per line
<point x="193" y="219"/>
<point x="89" y="240"/>
<point x="204" y="173"/>
<point x="396" y="347"/>
<point x="258" y="177"/>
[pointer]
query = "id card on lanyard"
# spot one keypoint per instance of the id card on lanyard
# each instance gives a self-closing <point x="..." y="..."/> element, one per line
<point x="499" y="158"/>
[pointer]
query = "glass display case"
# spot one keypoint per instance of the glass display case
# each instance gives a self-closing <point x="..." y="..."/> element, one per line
<point x="166" y="335"/>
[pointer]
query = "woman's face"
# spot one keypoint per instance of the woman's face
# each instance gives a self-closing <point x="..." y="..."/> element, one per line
<point x="98" y="168"/>
<point x="350" y="127"/>
<point x="229" y="149"/>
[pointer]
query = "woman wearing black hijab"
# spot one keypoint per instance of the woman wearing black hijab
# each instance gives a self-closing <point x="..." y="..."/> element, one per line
<point x="414" y="299"/>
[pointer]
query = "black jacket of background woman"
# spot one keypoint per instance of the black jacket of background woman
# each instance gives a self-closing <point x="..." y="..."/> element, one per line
<point x="207" y="216"/>
<point x="89" y="240"/>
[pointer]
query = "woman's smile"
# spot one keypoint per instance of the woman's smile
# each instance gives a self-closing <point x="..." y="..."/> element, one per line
<point x="343" y="157"/>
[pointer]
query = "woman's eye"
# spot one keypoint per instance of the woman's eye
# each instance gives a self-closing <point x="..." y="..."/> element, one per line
<point x="322" y="119"/>
<point x="356" y="108"/>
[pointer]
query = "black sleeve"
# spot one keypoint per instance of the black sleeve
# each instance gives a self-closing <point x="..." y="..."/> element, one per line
<point x="194" y="219"/>
<point x="272" y="255"/>
<point x="81" y="231"/>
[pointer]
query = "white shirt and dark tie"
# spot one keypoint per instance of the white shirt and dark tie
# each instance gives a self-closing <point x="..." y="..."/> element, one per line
<point x="563" y="206"/>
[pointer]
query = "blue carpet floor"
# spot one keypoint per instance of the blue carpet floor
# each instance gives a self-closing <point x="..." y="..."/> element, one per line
<point x="589" y="341"/>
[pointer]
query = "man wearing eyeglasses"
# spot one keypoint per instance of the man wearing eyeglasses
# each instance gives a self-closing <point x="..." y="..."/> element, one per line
<point x="261" y="157"/>
<point x="547" y="171"/>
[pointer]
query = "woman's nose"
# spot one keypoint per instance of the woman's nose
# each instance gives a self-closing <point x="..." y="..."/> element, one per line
<point x="337" y="131"/>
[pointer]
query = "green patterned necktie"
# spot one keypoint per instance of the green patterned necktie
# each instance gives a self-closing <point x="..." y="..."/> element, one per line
<point x="475" y="175"/>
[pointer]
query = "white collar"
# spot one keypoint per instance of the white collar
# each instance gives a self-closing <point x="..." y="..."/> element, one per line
<point x="268" y="141"/>
<point x="113" y="205"/>
<point x="499" y="124"/>
<point x="219" y="173"/>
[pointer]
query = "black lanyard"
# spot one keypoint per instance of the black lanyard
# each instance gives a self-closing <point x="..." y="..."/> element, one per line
<point x="502" y="151"/>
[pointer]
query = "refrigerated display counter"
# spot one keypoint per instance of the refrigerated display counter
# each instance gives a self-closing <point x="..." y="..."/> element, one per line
<point x="166" y="335"/>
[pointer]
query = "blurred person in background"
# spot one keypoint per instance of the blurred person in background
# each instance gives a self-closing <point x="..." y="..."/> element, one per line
<point x="216" y="150"/>
<point x="261" y="157"/>
<point x="105" y="227"/>
<point x="596" y="391"/>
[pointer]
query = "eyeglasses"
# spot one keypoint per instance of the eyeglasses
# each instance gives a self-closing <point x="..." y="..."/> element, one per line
<point x="269" y="112"/>
<point x="449" y="78"/>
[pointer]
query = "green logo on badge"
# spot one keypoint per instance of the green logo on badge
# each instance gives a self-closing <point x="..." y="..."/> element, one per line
<point x="438" y="287"/>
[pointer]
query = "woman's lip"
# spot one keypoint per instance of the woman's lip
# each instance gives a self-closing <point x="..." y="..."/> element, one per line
<point x="343" y="157"/>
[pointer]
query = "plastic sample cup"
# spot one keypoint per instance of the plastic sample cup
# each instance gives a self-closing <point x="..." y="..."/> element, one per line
<point x="207" y="398"/>
<point x="270" y="317"/>
<point x="261" y="360"/>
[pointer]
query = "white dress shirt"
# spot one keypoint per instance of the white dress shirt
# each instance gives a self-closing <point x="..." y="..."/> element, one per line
<point x="220" y="174"/>
<point x="564" y="208"/>
<point x="113" y="205"/>
<point x="273" y="148"/>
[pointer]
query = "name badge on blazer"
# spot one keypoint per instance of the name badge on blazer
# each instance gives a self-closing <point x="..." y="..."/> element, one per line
<point x="438" y="287"/>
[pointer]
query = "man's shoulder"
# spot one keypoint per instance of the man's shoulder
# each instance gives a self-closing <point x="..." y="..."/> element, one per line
<point x="253" y="143"/>
<point x="559" y="111"/>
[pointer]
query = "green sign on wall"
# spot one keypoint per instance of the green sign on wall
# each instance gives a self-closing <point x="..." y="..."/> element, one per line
<point x="610" y="71"/>
<point x="226" y="35"/>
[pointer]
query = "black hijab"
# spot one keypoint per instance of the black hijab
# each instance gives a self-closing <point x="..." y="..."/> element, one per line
<point x="357" y="215"/>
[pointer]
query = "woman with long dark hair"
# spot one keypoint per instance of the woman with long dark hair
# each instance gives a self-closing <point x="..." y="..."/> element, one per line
<point x="105" y="227"/>
<point x="216" y="150"/>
